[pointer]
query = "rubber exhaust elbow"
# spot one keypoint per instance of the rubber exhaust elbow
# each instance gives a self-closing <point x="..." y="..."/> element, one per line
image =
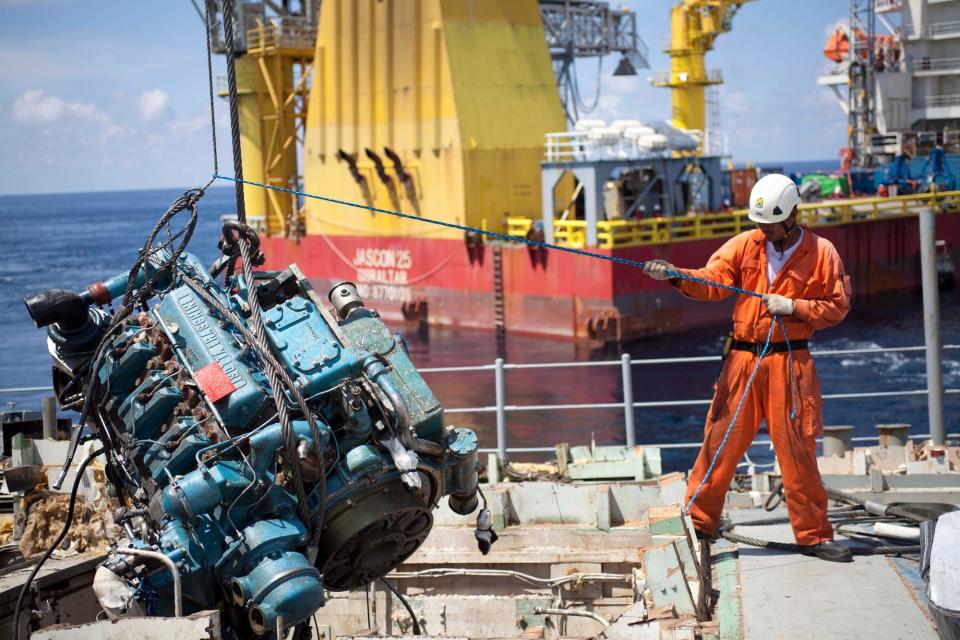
<point x="66" y="309"/>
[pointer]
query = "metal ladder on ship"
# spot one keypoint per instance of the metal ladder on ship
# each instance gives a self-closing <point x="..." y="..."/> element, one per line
<point x="499" y="312"/>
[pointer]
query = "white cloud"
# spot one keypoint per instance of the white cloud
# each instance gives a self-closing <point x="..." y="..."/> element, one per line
<point x="53" y="115"/>
<point x="185" y="126"/>
<point x="153" y="104"/>
<point x="36" y="106"/>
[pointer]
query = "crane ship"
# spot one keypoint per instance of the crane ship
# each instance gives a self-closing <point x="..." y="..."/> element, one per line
<point x="469" y="113"/>
<point x="259" y="458"/>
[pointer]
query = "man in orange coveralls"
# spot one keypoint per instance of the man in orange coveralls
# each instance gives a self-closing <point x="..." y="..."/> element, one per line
<point x="802" y="280"/>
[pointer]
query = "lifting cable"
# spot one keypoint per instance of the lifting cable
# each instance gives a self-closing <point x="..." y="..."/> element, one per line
<point x="874" y="512"/>
<point x="279" y="382"/>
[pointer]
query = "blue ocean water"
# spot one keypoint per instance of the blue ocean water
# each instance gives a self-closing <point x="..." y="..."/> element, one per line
<point x="71" y="240"/>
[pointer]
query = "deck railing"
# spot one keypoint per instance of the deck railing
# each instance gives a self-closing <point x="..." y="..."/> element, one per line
<point x="668" y="78"/>
<point x="501" y="408"/>
<point x="662" y="230"/>
<point x="934" y="64"/>
<point x="269" y="38"/>
<point x="943" y="29"/>
<point x="934" y="101"/>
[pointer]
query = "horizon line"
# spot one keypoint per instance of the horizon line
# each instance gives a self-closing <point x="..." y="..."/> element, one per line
<point x="756" y="163"/>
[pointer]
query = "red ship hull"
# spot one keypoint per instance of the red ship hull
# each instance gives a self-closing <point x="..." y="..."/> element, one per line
<point x="552" y="293"/>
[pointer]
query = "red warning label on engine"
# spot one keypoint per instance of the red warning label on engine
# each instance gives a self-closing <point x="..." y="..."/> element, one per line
<point x="214" y="382"/>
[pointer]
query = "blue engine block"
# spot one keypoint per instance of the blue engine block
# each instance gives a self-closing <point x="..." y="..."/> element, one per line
<point x="195" y="432"/>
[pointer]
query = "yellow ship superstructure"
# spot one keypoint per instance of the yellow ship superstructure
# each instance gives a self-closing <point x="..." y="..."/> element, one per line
<point x="459" y="94"/>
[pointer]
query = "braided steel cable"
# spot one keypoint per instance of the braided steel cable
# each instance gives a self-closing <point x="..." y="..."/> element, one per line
<point x="836" y="516"/>
<point x="209" y="25"/>
<point x="270" y="363"/>
<point x="187" y="201"/>
<point x="276" y="374"/>
<point x="796" y="548"/>
<point x="891" y="510"/>
<point x="289" y="452"/>
<point x="234" y="110"/>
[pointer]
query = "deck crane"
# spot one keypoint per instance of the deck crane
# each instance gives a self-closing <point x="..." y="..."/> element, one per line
<point x="589" y="29"/>
<point x="694" y="25"/>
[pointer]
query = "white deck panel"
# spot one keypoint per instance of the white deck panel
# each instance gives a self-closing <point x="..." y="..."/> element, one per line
<point x="786" y="596"/>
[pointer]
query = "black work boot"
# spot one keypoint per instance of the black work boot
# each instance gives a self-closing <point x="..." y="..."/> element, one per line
<point x="828" y="551"/>
<point x="706" y="537"/>
<point x="716" y="534"/>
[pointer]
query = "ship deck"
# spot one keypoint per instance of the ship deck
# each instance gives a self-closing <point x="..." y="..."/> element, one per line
<point x="778" y="595"/>
<point x="759" y="593"/>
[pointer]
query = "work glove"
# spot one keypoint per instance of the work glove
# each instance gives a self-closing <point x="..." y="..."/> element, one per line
<point x="657" y="269"/>
<point x="778" y="305"/>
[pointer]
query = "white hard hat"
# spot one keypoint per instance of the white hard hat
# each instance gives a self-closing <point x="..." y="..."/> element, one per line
<point x="773" y="198"/>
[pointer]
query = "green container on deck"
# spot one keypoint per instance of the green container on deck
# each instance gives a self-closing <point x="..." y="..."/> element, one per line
<point x="828" y="183"/>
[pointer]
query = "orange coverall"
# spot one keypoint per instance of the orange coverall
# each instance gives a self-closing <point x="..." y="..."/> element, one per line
<point x="814" y="279"/>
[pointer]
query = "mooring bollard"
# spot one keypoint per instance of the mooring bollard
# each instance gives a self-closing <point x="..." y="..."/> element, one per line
<point x="836" y="440"/>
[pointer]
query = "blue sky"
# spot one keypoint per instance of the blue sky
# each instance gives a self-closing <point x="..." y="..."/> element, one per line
<point x="98" y="95"/>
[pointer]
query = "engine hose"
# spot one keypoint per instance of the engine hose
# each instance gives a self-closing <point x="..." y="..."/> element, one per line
<point x="56" y="544"/>
<point x="403" y="601"/>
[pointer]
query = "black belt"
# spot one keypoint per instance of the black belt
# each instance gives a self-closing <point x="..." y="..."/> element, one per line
<point x="775" y="347"/>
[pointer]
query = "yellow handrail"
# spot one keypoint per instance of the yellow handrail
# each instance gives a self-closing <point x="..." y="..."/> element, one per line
<point x="268" y="38"/>
<point x="660" y="230"/>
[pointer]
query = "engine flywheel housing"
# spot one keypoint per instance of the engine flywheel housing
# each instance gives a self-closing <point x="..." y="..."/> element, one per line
<point x="369" y="535"/>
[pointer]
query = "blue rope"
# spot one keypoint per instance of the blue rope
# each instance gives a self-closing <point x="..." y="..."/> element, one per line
<point x="733" y="420"/>
<point x="794" y="392"/>
<point x="491" y="234"/>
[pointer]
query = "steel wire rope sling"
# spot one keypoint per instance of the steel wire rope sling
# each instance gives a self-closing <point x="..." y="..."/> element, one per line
<point x="279" y="384"/>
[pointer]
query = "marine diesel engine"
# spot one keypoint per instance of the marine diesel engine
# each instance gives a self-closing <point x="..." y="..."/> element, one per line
<point x="257" y="519"/>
